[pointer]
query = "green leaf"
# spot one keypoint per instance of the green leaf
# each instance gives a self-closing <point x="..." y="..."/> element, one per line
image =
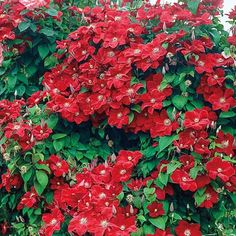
<point x="131" y="117"/>
<point x="23" y="26"/>
<point x="228" y="114"/>
<point x="20" y="90"/>
<point x="52" y="121"/>
<point x="159" y="222"/>
<point x="48" y="32"/>
<point x="58" y="136"/>
<point x="193" y="5"/>
<point x="166" y="141"/>
<point x="171" y="167"/>
<point x="43" y="167"/>
<point x="41" y="181"/>
<point x="163" y="178"/>
<point x="179" y="101"/>
<point x="52" y="12"/>
<point x="43" y="50"/>
<point x="199" y="197"/>
<point x="58" y="144"/>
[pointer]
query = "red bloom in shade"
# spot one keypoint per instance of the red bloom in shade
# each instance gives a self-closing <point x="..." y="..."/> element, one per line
<point x="197" y="119"/>
<point x="52" y="222"/>
<point x="101" y="173"/>
<point x="160" y="232"/>
<point x="129" y="156"/>
<point x="11" y="181"/>
<point x="225" y="143"/>
<point x="232" y="40"/>
<point x="122" y="225"/>
<point x="29" y="199"/>
<point x="231" y="184"/>
<point x="122" y="171"/>
<point x="118" y="117"/>
<point x="155" y="209"/>
<point x="202" y="181"/>
<point x="161" y="193"/>
<point x="216" y="78"/>
<point x="185" y="182"/>
<point x="58" y="166"/>
<point x="217" y="167"/>
<point x="41" y="132"/>
<point x="222" y="99"/>
<point x="187" y="161"/>
<point x="79" y="223"/>
<point x="16" y="130"/>
<point x="135" y="184"/>
<point x="211" y="198"/>
<point x="163" y="125"/>
<point x="186" y="229"/>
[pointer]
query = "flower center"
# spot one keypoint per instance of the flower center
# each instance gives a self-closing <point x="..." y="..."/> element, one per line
<point x="122" y="172"/>
<point x="196" y="120"/>
<point x="118" y="76"/>
<point x="119" y="115"/>
<point x="167" y="122"/>
<point x="83" y="221"/>
<point x="208" y="196"/>
<point x="102" y="172"/>
<point x="114" y="39"/>
<point x="184" y="179"/>
<point x="222" y="100"/>
<point x="84" y="52"/>
<point x="58" y="164"/>
<point x="153" y="100"/>
<point x="111" y="54"/>
<point x="201" y="63"/>
<point x="130" y="91"/>
<point x="130" y="158"/>
<point x="215" y="77"/>
<point x="219" y="170"/>
<point x="225" y="143"/>
<point x="187" y="232"/>
<point x="155" y="50"/>
<point x="53" y="221"/>
<point x="100" y="97"/>
<point x="122" y="227"/>
<point x="102" y="195"/>
<point x="104" y="223"/>
<point x="137" y="51"/>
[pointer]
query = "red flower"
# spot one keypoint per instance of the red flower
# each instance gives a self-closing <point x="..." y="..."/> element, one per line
<point x="58" y="166"/>
<point x="217" y="167"/>
<point x="186" y="229"/>
<point x="155" y="209"/>
<point x="41" y="132"/>
<point x="163" y="125"/>
<point x="222" y="99"/>
<point x="129" y="156"/>
<point x="187" y="161"/>
<point x="122" y="171"/>
<point x="197" y="119"/>
<point x="185" y="182"/>
<point x="79" y="223"/>
<point x="211" y="198"/>
<point x="135" y="184"/>
<point x="160" y="232"/>
<point x="161" y="193"/>
<point x="225" y="143"/>
<point x="29" y="199"/>
<point x="52" y="222"/>
<point x="202" y="181"/>
<point x="11" y="181"/>
<point x="118" y="117"/>
<point x="216" y="78"/>
<point x="232" y="40"/>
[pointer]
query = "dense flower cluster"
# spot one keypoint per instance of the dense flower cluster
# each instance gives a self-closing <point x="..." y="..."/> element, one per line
<point x="132" y="132"/>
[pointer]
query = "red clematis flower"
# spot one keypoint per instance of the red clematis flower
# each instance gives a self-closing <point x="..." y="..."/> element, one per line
<point x="79" y="223"/>
<point x="155" y="209"/>
<point x="217" y="167"/>
<point x="197" y="119"/>
<point x="225" y="143"/>
<point x="29" y="199"/>
<point x="211" y="198"/>
<point x="52" y="222"/>
<point x="222" y="99"/>
<point x="135" y="184"/>
<point x="118" y="117"/>
<point x="41" y="132"/>
<point x="184" y="228"/>
<point x="163" y="125"/>
<point x="11" y="181"/>
<point x="160" y="232"/>
<point x="185" y="182"/>
<point x="129" y="156"/>
<point x="161" y="193"/>
<point x="232" y="40"/>
<point x="187" y="161"/>
<point x="122" y="171"/>
<point x="216" y="78"/>
<point x="58" y="166"/>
